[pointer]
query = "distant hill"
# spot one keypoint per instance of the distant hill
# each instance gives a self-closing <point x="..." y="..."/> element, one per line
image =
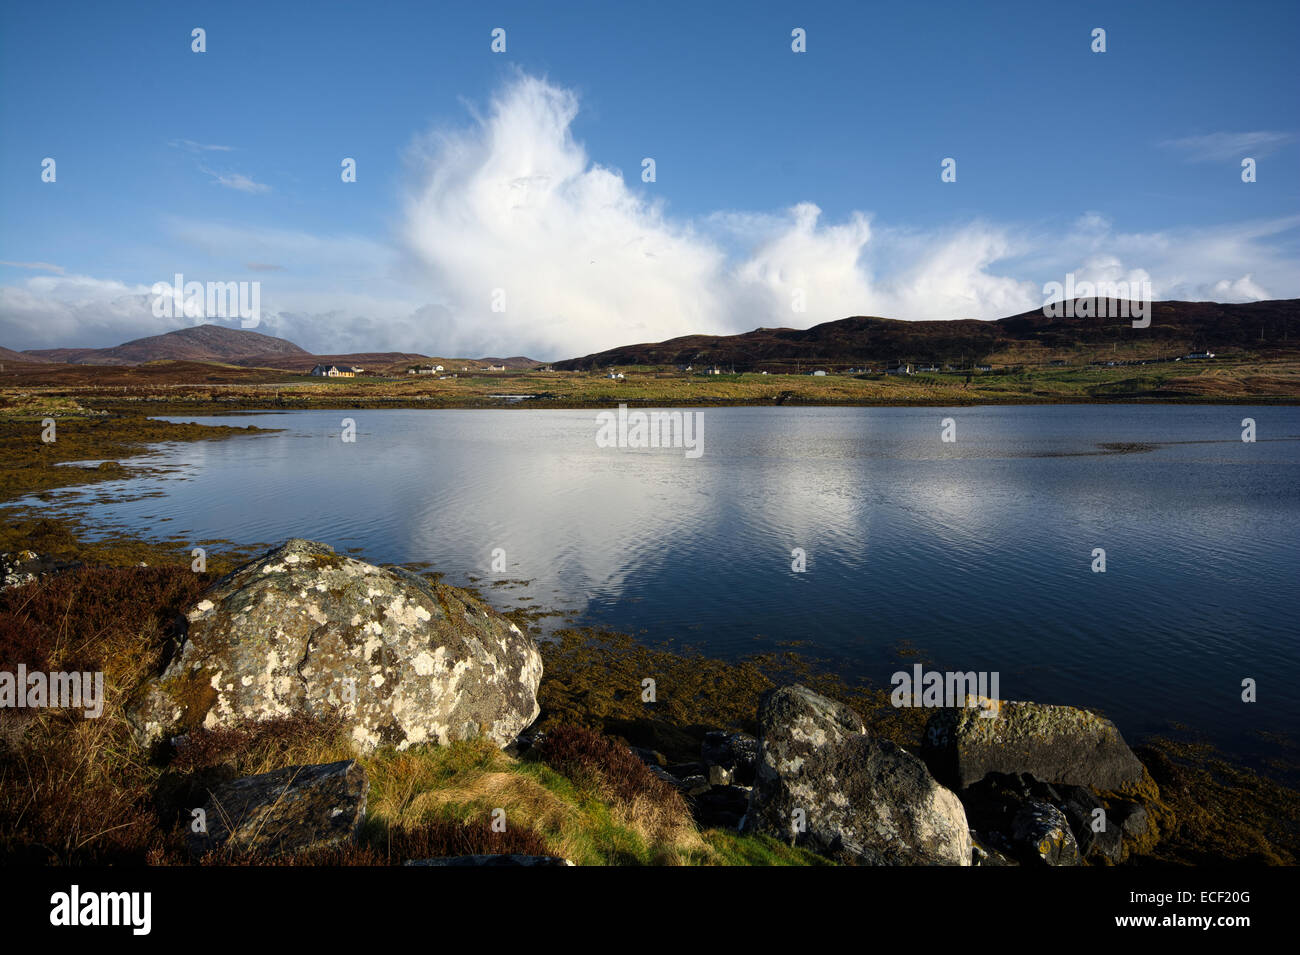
<point x="8" y="354"/>
<point x="201" y="343"/>
<point x="518" y="363"/>
<point x="233" y="346"/>
<point x="1031" y="336"/>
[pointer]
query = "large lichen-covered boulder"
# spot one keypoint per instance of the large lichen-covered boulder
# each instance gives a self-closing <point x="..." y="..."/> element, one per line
<point x="302" y="630"/>
<point x="287" y="810"/>
<point x="823" y="784"/>
<point x="1057" y="744"/>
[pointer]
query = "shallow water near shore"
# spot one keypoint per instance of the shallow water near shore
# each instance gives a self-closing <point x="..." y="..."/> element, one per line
<point x="978" y="552"/>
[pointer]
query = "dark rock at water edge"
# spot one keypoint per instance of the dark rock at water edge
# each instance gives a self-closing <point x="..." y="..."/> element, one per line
<point x="1060" y="744"/>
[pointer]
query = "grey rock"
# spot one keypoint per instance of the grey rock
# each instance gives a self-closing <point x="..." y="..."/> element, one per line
<point x="666" y="776"/>
<point x="694" y="785"/>
<point x="25" y="566"/>
<point x="1044" y="836"/>
<point x="720" y="806"/>
<point x="984" y="851"/>
<point x="1100" y="836"/>
<point x="1057" y="744"/>
<point x="994" y="803"/>
<point x="288" y="810"/>
<point x="1132" y="819"/>
<point x="302" y="630"/>
<point x="822" y="783"/>
<point x="720" y="776"/>
<point x="735" y="752"/>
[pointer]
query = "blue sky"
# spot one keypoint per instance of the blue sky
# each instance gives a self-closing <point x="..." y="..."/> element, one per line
<point x="776" y="172"/>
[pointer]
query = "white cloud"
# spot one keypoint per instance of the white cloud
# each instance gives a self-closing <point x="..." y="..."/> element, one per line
<point x="1214" y="147"/>
<point x="52" y="311"/>
<point x="235" y="180"/>
<point x="515" y="204"/>
<point x="191" y="146"/>
<point x="42" y="266"/>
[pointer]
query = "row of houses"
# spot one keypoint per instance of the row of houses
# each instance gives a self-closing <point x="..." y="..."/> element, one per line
<point x="336" y="371"/>
<point x="1191" y="356"/>
<point x="438" y="369"/>
<point x="906" y="368"/>
<point x="902" y="368"/>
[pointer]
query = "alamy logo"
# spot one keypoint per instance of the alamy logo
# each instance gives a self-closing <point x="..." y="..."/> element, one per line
<point x="75" y="907"/>
<point x="951" y="688"/>
<point x="1098" y="300"/>
<point x="653" y="429"/>
<point x="83" y="691"/>
<point x="198" y="300"/>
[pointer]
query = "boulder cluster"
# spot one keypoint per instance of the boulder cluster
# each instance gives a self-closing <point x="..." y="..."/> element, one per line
<point x="1034" y="785"/>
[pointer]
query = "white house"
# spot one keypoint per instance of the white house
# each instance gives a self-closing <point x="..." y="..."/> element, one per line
<point x="336" y="371"/>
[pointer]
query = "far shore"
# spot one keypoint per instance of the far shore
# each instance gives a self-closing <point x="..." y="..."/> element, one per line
<point x="187" y="387"/>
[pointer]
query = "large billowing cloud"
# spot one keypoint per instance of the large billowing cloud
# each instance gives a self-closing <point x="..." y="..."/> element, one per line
<point x="510" y="210"/>
<point x="512" y="213"/>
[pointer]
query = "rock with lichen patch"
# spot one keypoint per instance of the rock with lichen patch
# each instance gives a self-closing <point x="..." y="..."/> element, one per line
<point x="1057" y="744"/>
<point x="1044" y="835"/>
<point x="823" y="784"/>
<point x="302" y="630"/>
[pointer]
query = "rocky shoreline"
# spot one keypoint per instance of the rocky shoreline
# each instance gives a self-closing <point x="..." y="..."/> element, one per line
<point x="398" y="663"/>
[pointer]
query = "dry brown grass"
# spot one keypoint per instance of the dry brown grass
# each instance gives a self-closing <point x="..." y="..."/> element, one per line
<point x="395" y="845"/>
<point x="75" y="790"/>
<point x="252" y="747"/>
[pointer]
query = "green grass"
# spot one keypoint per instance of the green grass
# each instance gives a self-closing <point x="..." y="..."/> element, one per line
<point x="733" y="848"/>
<point x="577" y="820"/>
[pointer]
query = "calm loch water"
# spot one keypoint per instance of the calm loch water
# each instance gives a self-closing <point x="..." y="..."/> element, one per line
<point x="977" y="552"/>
